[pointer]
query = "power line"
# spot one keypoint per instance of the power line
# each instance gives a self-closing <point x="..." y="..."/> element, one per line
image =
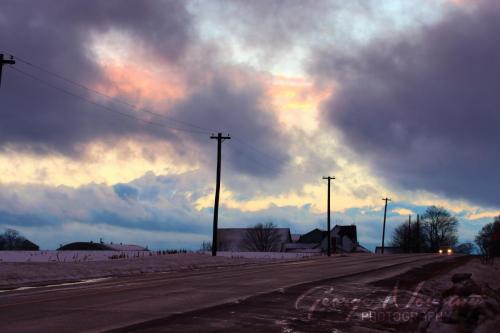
<point x="135" y="107"/>
<point x="115" y="99"/>
<point x="249" y="157"/>
<point x="104" y="106"/>
<point x="199" y="129"/>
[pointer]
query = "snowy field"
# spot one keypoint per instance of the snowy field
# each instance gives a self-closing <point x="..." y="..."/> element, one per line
<point x="69" y="256"/>
<point x="28" y="268"/>
<point x="85" y="256"/>
<point x="267" y="255"/>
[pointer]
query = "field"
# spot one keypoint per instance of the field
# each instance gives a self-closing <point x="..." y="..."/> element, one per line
<point x="25" y="268"/>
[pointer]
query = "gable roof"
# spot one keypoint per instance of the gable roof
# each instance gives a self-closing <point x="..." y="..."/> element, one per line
<point x="313" y="236"/>
<point x="346" y="230"/>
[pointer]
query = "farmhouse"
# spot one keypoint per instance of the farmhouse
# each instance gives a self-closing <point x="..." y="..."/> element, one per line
<point x="343" y="240"/>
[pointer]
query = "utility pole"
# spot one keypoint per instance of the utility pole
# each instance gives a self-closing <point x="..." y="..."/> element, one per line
<point x="3" y="61"/>
<point x="385" y="215"/>
<point x="220" y="139"/>
<point x="418" y="234"/>
<point x="409" y="234"/>
<point x="328" y="212"/>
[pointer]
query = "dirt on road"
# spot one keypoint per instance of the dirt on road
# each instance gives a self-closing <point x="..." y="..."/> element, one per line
<point x="415" y="301"/>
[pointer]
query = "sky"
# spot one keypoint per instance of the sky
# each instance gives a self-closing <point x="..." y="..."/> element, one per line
<point x="108" y="112"/>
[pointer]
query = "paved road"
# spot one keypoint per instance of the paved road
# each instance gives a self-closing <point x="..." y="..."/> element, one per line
<point x="118" y="302"/>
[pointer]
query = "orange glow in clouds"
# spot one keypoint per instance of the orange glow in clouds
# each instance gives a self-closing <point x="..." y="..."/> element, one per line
<point x="296" y="101"/>
<point x="141" y="84"/>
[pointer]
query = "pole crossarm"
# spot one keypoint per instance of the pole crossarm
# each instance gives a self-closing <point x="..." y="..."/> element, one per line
<point x="4" y="61"/>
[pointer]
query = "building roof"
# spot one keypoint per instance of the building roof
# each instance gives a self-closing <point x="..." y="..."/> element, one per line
<point x="28" y="245"/>
<point x="313" y="236"/>
<point x="346" y="230"/>
<point x="91" y="246"/>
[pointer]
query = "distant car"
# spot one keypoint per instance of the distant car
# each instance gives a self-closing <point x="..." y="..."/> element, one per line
<point x="445" y="250"/>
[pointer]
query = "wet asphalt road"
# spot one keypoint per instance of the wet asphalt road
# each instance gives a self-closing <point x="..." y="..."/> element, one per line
<point x="120" y="302"/>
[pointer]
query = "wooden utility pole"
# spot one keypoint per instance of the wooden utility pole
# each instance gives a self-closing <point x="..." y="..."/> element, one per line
<point x="409" y="234"/>
<point x="220" y="139"/>
<point x="417" y="236"/>
<point x="328" y="217"/>
<point x="383" y="229"/>
<point x="3" y="61"/>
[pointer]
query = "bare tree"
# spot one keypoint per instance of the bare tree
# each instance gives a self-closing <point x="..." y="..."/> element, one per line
<point x="488" y="238"/>
<point x="409" y="238"/>
<point x="262" y="238"/>
<point x="11" y="240"/>
<point x="439" y="227"/>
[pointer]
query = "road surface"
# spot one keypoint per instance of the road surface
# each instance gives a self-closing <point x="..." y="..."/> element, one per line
<point x="120" y="302"/>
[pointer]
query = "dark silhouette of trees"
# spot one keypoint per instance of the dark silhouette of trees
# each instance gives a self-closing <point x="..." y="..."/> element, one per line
<point x="410" y="239"/>
<point x="206" y="246"/>
<point x="488" y="238"/>
<point x="12" y="240"/>
<point x="437" y="228"/>
<point x="440" y="228"/>
<point x="262" y="238"/>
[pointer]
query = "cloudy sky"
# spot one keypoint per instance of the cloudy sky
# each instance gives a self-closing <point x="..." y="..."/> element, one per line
<point x="107" y="114"/>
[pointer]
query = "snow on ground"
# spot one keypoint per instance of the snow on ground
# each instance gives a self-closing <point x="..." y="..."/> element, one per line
<point x="27" y="268"/>
<point x="68" y="256"/>
<point x="85" y="256"/>
<point x="267" y="255"/>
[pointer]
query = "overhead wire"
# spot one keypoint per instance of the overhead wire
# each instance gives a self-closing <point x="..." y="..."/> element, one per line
<point x="196" y="128"/>
<point x="113" y="98"/>
<point x="33" y="77"/>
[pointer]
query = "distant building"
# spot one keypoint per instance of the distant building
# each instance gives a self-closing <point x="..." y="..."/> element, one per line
<point x="344" y="239"/>
<point x="27" y="245"/>
<point x="91" y="246"/>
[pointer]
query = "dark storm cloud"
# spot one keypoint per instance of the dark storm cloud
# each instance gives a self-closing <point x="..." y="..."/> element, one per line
<point x="424" y="107"/>
<point x="240" y="109"/>
<point x="56" y="36"/>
